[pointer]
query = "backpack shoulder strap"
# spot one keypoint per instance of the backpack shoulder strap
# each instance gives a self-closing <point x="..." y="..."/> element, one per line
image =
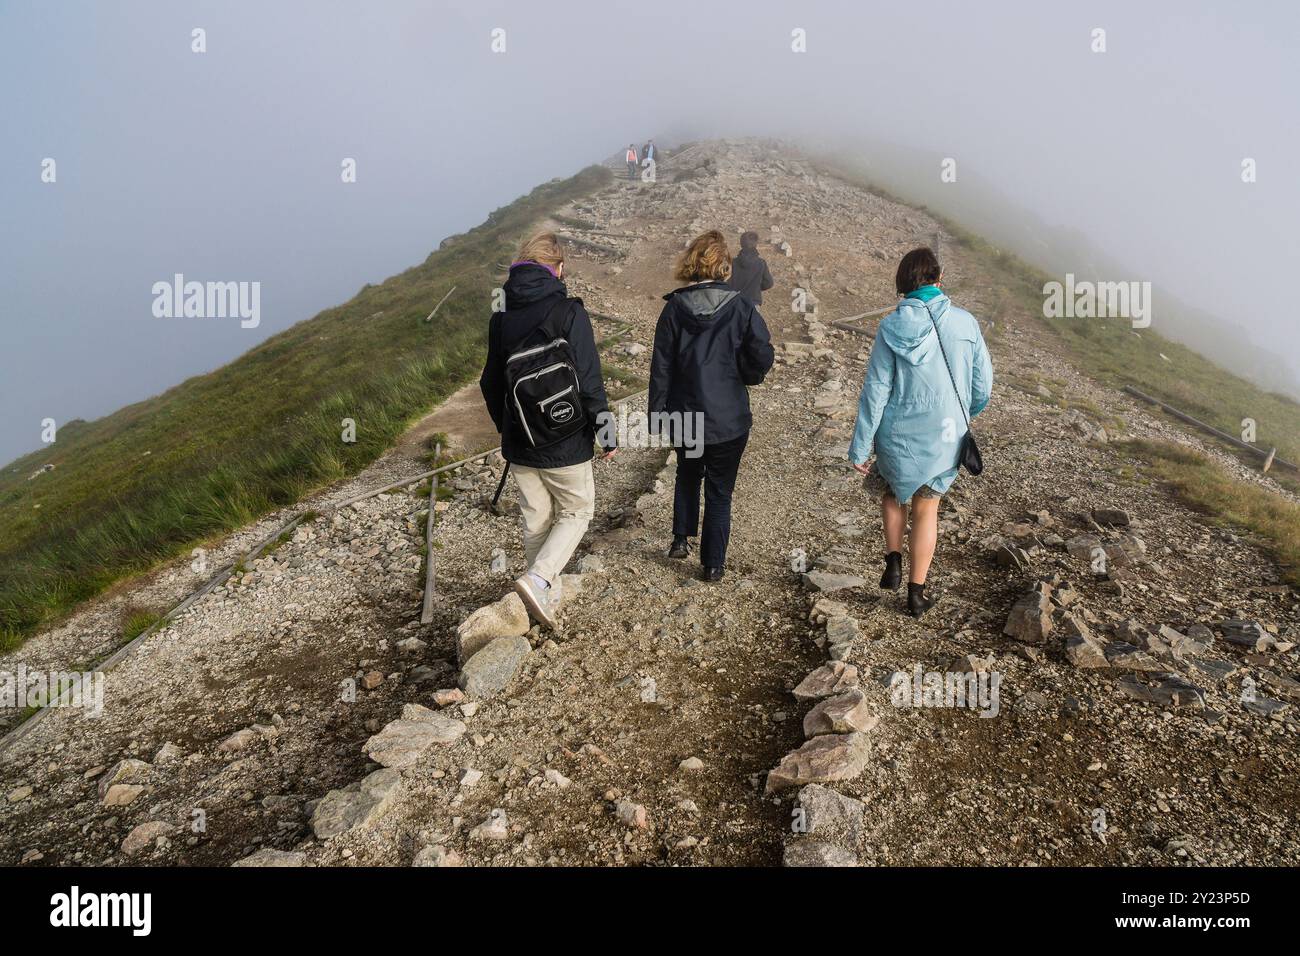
<point x="556" y="323"/>
<point x="552" y="327"/>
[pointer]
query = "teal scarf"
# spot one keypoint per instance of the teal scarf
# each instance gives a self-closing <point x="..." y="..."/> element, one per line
<point x="925" y="293"/>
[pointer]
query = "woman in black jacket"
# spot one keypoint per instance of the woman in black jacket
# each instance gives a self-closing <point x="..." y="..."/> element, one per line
<point x="557" y="493"/>
<point x="710" y="345"/>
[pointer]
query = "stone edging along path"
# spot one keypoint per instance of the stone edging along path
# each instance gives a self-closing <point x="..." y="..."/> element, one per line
<point x="826" y="823"/>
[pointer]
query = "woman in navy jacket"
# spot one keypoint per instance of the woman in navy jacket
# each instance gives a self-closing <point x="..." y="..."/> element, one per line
<point x="711" y="344"/>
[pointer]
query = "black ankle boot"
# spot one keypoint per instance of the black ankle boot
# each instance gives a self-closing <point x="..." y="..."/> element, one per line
<point x="680" y="548"/>
<point x="893" y="575"/>
<point x="917" y="602"/>
<point x="711" y="574"/>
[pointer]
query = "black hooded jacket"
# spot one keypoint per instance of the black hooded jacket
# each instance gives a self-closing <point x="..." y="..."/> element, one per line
<point x="710" y="344"/>
<point x="531" y="293"/>
<point x="750" y="276"/>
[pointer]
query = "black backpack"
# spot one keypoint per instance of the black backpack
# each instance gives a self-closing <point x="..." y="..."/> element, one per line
<point x="542" y="389"/>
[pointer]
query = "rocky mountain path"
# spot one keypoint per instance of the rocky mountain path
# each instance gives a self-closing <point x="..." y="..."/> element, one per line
<point x="1134" y="721"/>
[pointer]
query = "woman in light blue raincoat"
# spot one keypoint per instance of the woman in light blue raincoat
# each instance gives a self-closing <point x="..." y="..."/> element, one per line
<point x="910" y="412"/>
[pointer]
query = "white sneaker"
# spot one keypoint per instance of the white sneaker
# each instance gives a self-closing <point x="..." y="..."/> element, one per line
<point x="541" y="603"/>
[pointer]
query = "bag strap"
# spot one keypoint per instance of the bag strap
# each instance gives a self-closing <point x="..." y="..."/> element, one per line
<point x="547" y="324"/>
<point x="944" y="353"/>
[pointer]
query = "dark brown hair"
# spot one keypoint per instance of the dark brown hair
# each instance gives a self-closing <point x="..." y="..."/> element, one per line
<point x="919" y="267"/>
<point x="749" y="240"/>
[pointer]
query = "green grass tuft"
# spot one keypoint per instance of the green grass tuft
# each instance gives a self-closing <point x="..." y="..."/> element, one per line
<point x="136" y="620"/>
<point x="1205" y="486"/>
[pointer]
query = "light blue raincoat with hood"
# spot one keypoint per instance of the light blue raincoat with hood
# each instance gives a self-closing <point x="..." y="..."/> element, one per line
<point x="909" y="409"/>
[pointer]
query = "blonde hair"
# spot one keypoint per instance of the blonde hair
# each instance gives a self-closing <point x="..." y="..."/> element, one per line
<point x="706" y="258"/>
<point x="543" y="248"/>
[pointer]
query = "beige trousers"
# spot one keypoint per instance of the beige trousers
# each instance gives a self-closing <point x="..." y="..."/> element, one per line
<point x="557" y="504"/>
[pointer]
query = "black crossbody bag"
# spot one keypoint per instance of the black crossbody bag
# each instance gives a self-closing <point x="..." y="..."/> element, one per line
<point x="968" y="456"/>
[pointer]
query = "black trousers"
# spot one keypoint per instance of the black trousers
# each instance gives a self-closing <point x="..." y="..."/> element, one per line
<point x="716" y="468"/>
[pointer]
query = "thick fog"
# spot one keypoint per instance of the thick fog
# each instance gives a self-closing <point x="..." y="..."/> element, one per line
<point x="225" y="165"/>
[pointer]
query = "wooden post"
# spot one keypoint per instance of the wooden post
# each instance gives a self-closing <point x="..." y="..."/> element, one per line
<point x="429" y="317"/>
<point x="426" y="613"/>
<point x="1268" y="462"/>
<point x="847" y="323"/>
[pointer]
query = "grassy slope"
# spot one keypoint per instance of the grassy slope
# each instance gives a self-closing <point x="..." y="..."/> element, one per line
<point x="220" y="449"/>
<point x="1209" y="489"/>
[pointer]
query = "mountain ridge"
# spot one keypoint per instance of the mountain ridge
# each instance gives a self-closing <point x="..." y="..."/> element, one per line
<point x="645" y="729"/>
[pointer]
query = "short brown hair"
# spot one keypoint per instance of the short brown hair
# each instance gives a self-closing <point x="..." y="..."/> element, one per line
<point x="919" y="267"/>
<point x="749" y="240"/>
<point x="706" y="258"/>
<point x="544" y="248"/>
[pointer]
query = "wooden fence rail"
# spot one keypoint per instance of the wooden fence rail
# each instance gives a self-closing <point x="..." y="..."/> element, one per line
<point x="1268" y="454"/>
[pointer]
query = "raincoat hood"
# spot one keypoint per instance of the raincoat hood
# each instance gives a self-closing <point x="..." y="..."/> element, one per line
<point x="909" y="332"/>
<point x="529" y="282"/>
<point x="697" y="304"/>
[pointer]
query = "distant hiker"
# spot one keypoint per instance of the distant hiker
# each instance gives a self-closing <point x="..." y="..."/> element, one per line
<point x="710" y="344"/>
<point x="909" y="410"/>
<point x="631" y="160"/>
<point x="749" y="273"/>
<point x="543" y="388"/>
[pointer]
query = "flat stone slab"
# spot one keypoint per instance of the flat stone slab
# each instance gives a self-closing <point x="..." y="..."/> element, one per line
<point x="1030" y="619"/>
<point x="1216" y="670"/>
<point x="495" y="827"/>
<point x="828" y="582"/>
<point x="842" y="629"/>
<point x="1082" y="647"/>
<point x="401" y="743"/>
<point x="121" y="794"/>
<point x="492" y="669"/>
<point x="123" y="772"/>
<point x="803" y="851"/>
<point x="1265" y="706"/>
<point x="1112" y="516"/>
<point x="841" y="714"/>
<point x="825" y="608"/>
<point x="505" y="618"/>
<point x="1173" y="692"/>
<point x="1249" y="634"/>
<point x="360" y="804"/>
<point x="827" y="681"/>
<point x="823" y="759"/>
<point x="266" y="857"/>
<point x="145" y="835"/>
<point x="829" y="814"/>
<point x="438" y="856"/>
<point x="1121" y="654"/>
<point x="1282" y="684"/>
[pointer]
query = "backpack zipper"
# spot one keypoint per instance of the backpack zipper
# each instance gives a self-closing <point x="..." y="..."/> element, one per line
<point x="534" y="350"/>
<point x="546" y="401"/>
